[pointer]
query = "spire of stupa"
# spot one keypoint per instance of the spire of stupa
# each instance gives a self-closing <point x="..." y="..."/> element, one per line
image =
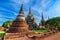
<point x="42" y="18"/>
<point x="30" y="14"/>
<point x="42" y="22"/>
<point x="48" y="18"/>
<point x="31" y="21"/>
<point x="21" y="14"/>
<point x="29" y="10"/>
<point x="21" y="9"/>
<point x="19" y="24"/>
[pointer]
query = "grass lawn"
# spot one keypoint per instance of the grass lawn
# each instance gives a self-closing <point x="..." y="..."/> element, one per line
<point x="39" y="31"/>
<point x="2" y="33"/>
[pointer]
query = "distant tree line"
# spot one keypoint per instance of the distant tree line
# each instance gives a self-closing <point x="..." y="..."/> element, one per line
<point x="53" y="23"/>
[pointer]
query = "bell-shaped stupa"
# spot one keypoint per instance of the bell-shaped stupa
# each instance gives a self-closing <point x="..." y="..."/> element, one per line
<point x="19" y="24"/>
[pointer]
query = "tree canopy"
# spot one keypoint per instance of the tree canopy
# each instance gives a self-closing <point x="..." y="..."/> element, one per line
<point x="54" y="21"/>
<point x="5" y="24"/>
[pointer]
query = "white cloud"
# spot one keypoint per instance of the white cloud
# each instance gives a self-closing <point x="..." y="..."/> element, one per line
<point x="3" y="19"/>
<point x="37" y="19"/>
<point x="7" y="10"/>
<point x="45" y="3"/>
<point x="3" y="16"/>
<point x="26" y="1"/>
<point x="55" y="10"/>
<point x="25" y="13"/>
<point x="38" y="10"/>
<point x="21" y="1"/>
<point x="39" y="7"/>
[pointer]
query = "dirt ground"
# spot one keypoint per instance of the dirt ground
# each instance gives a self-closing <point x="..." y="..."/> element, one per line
<point x="53" y="37"/>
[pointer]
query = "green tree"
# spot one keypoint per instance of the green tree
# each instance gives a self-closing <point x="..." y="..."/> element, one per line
<point x="54" y="21"/>
<point x="7" y="23"/>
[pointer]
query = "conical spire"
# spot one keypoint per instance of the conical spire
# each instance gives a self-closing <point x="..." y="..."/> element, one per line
<point x="42" y="16"/>
<point x="29" y="10"/>
<point x="21" y="13"/>
<point x="21" y="9"/>
<point x="42" y="23"/>
<point x="42" y="20"/>
<point x="30" y="14"/>
<point x="48" y="18"/>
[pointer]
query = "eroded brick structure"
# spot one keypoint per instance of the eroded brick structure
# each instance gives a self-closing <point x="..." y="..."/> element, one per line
<point x="31" y="21"/>
<point x="19" y="30"/>
<point x="19" y="27"/>
<point x="42" y="23"/>
<point x="19" y="24"/>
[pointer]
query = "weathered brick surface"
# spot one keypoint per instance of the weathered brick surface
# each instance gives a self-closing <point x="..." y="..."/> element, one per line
<point x="0" y="38"/>
<point x="13" y="35"/>
<point x="27" y="36"/>
<point x="20" y="38"/>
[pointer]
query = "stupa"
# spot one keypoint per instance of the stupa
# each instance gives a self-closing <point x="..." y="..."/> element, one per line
<point x="42" y="23"/>
<point x="19" y="27"/>
<point x="20" y="23"/>
<point x="31" y="21"/>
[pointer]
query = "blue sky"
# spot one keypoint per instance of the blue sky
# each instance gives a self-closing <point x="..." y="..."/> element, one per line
<point x="9" y="9"/>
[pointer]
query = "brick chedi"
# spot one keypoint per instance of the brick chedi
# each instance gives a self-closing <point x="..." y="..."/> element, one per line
<point x="42" y="23"/>
<point x="30" y="21"/>
<point x="19" y="27"/>
<point x="20" y="23"/>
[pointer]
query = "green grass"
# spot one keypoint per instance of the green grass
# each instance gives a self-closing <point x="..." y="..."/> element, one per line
<point x="36" y="31"/>
<point x="2" y="33"/>
<point x="39" y="31"/>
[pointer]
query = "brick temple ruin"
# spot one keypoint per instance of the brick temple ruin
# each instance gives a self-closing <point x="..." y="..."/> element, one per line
<point x="42" y="22"/>
<point x="20" y="31"/>
<point x="31" y="21"/>
<point x="19" y="27"/>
